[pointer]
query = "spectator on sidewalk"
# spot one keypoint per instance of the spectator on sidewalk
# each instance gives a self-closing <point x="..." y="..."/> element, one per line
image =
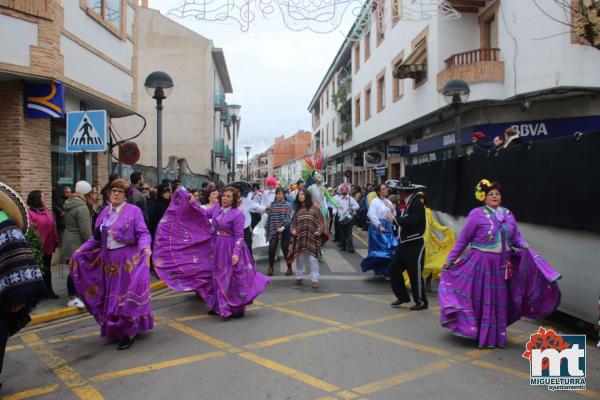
<point x="135" y="195"/>
<point x="78" y="228"/>
<point x="42" y="220"/>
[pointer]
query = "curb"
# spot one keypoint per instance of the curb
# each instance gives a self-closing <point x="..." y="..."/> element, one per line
<point x="41" y="318"/>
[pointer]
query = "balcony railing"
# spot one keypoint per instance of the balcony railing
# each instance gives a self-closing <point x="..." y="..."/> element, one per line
<point x="219" y="147"/>
<point x="480" y="65"/>
<point x="473" y="56"/>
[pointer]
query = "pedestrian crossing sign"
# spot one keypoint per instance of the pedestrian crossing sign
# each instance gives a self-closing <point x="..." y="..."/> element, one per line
<point x="86" y="131"/>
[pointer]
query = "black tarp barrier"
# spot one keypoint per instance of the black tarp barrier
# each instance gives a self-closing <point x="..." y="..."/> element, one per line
<point x="554" y="182"/>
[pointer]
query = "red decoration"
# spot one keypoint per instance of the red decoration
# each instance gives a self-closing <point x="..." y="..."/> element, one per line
<point x="129" y="153"/>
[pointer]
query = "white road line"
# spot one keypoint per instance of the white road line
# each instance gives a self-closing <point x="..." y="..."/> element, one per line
<point x="362" y="252"/>
<point x="336" y="262"/>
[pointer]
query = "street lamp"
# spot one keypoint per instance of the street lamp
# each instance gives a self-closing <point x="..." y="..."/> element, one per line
<point x="247" y="148"/>
<point x="234" y="109"/>
<point x="456" y="92"/>
<point x="159" y="86"/>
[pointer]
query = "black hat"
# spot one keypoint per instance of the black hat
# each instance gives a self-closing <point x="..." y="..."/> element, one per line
<point x="405" y="185"/>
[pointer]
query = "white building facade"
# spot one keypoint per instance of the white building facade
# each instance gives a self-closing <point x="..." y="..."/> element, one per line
<point x="523" y="69"/>
<point x="197" y="135"/>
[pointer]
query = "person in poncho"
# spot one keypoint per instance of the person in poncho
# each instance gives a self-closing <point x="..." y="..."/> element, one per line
<point x="307" y="227"/>
<point x="499" y="280"/>
<point x="21" y="280"/>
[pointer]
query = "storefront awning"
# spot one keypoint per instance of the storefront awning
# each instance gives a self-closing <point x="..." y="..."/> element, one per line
<point x="414" y="65"/>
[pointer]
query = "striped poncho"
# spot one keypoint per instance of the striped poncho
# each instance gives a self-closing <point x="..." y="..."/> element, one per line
<point x="280" y="214"/>
<point x="306" y="223"/>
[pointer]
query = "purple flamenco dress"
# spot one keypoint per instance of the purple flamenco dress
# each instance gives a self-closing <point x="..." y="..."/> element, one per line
<point x="497" y="282"/>
<point x="183" y="246"/>
<point x="237" y="285"/>
<point x="112" y="275"/>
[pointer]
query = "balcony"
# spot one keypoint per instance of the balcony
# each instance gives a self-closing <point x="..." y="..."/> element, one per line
<point x="219" y="146"/>
<point x="219" y="100"/>
<point x="480" y="65"/>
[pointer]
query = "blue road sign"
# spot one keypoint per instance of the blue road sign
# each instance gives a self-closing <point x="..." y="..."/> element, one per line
<point x="86" y="131"/>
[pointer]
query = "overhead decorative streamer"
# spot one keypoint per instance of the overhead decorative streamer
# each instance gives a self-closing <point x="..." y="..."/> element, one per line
<point x="319" y="16"/>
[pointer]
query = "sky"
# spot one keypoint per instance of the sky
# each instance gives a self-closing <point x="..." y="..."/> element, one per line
<point x="274" y="71"/>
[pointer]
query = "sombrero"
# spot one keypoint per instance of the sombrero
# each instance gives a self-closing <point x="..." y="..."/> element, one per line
<point x="405" y="185"/>
<point x="14" y="206"/>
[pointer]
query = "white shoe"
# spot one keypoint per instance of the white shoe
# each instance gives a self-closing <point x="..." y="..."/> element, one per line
<point x="75" y="303"/>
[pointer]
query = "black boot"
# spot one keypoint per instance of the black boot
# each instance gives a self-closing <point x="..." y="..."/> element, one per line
<point x="126" y="343"/>
<point x="419" y="306"/>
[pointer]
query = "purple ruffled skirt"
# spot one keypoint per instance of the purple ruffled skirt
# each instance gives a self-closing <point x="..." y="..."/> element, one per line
<point x="477" y="301"/>
<point x="235" y="286"/>
<point x="115" y="287"/>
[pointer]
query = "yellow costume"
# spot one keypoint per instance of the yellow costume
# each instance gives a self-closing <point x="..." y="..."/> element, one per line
<point x="436" y="250"/>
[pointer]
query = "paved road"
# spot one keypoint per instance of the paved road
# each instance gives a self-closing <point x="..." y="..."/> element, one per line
<point x="342" y="341"/>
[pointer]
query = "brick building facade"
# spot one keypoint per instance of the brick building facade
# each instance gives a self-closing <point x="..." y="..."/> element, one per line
<point x="88" y="50"/>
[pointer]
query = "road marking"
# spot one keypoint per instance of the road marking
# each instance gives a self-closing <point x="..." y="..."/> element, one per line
<point x="287" y="339"/>
<point x="364" y="253"/>
<point x="311" y="298"/>
<point x="336" y="263"/>
<point x="404" y="377"/>
<point x="14" y="347"/>
<point x="347" y="395"/>
<point x="310" y="317"/>
<point x="402" y="342"/>
<point x="157" y="366"/>
<point x="324" y="277"/>
<point x="362" y="296"/>
<point x="48" y="327"/>
<point x="73" y="337"/>
<point x="381" y="319"/>
<point x="199" y="335"/>
<point x="290" y="372"/>
<point x="61" y="369"/>
<point x="26" y="394"/>
<point x="357" y="237"/>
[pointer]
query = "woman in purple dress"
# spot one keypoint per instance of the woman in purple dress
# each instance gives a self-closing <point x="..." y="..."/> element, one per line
<point x="499" y="280"/>
<point x="111" y="270"/>
<point x="236" y="282"/>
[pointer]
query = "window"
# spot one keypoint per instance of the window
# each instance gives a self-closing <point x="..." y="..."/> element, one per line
<point x="327" y="134"/>
<point x="396" y="7"/>
<point x="367" y="46"/>
<point x="368" y="102"/>
<point x="356" y="57"/>
<point x="488" y="27"/>
<point x="397" y="84"/>
<point x="333" y="135"/>
<point x="327" y="97"/>
<point x="109" y="10"/>
<point x="357" y="110"/>
<point x="381" y="91"/>
<point x="379" y="19"/>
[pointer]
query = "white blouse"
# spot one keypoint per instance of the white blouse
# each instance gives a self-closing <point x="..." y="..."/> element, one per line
<point x="380" y="209"/>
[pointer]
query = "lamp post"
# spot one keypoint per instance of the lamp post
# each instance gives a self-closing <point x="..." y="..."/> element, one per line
<point x="456" y="92"/>
<point x="159" y="86"/>
<point x="234" y="109"/>
<point x="247" y="148"/>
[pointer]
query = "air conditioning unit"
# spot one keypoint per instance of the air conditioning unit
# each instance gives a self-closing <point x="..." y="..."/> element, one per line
<point x="373" y="158"/>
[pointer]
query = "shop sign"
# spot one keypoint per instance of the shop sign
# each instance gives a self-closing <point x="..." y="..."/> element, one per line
<point x="44" y="100"/>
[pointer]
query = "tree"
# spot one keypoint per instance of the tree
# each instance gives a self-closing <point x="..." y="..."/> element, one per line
<point x="582" y="16"/>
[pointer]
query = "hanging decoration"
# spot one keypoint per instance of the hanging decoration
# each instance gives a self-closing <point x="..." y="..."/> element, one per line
<point x="319" y="16"/>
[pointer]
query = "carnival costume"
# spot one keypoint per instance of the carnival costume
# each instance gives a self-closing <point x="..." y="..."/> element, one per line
<point x="21" y="281"/>
<point x="306" y="246"/>
<point x="498" y="281"/>
<point x="235" y="286"/>
<point x="436" y="249"/>
<point x="345" y="217"/>
<point x="182" y="248"/>
<point x="193" y="255"/>
<point x="315" y="167"/>
<point x="381" y="245"/>
<point x="111" y="272"/>
<point x="410" y="253"/>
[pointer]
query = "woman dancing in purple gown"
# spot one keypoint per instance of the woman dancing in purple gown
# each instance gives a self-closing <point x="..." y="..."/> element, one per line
<point x="499" y="280"/>
<point x="111" y="270"/>
<point x="211" y="258"/>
